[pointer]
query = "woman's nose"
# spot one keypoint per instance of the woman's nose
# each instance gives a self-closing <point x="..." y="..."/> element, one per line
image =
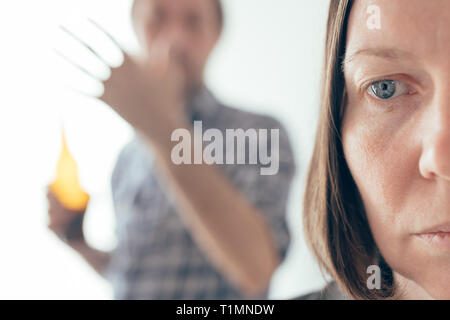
<point x="435" y="158"/>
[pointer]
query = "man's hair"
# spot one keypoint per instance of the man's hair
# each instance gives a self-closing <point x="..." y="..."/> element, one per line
<point x="218" y="9"/>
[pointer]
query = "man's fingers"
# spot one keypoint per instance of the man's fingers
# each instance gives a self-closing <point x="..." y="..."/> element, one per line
<point x="158" y="58"/>
<point x="84" y="44"/>
<point x="49" y="194"/>
<point x="55" y="206"/>
<point x="51" y="197"/>
<point x="84" y="70"/>
<point x="110" y="37"/>
<point x="165" y="59"/>
<point x="55" y="229"/>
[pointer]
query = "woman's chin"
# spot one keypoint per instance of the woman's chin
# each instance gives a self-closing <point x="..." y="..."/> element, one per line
<point x="440" y="291"/>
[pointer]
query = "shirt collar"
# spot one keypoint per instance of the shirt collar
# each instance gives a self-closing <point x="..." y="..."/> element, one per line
<point x="202" y="105"/>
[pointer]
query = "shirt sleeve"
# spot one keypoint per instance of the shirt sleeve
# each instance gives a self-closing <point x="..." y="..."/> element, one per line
<point x="270" y="193"/>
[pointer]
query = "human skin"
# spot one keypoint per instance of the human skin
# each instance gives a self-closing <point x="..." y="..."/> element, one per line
<point x="398" y="149"/>
<point x="189" y="25"/>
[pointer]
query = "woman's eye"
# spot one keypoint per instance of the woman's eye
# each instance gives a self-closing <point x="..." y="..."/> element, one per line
<point x="387" y="89"/>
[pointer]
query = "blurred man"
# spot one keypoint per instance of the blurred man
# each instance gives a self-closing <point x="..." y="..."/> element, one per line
<point x="196" y="231"/>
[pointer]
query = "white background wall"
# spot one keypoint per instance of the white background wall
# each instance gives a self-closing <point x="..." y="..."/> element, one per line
<point x="268" y="61"/>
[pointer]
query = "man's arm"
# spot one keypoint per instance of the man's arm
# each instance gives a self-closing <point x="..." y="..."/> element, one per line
<point x="68" y="226"/>
<point x="224" y="223"/>
<point x="97" y="259"/>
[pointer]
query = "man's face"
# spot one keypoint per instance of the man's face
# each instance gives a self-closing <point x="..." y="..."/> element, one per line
<point x="191" y="27"/>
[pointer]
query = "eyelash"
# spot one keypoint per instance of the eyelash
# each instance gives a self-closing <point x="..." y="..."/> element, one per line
<point x="368" y="87"/>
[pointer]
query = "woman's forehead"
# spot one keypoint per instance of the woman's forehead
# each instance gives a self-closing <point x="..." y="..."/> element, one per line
<point x="413" y="27"/>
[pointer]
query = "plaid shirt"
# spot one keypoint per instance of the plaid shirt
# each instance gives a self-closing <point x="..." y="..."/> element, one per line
<point x="156" y="257"/>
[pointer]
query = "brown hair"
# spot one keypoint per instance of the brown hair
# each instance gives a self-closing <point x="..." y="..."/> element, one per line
<point x="218" y="9"/>
<point x="335" y="222"/>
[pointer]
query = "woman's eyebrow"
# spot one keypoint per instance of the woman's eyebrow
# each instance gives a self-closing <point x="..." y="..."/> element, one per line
<point x="383" y="53"/>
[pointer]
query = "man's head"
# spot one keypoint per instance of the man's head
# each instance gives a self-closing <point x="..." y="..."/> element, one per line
<point x="191" y="27"/>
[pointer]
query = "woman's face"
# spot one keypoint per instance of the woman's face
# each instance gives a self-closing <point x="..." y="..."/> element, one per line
<point x="396" y="135"/>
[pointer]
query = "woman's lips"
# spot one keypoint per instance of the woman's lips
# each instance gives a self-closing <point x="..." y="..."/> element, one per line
<point x="438" y="237"/>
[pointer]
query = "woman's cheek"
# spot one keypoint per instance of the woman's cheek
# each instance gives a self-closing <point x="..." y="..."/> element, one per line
<point x="382" y="163"/>
<point x="376" y="158"/>
<point x="367" y="153"/>
<point x="381" y="154"/>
